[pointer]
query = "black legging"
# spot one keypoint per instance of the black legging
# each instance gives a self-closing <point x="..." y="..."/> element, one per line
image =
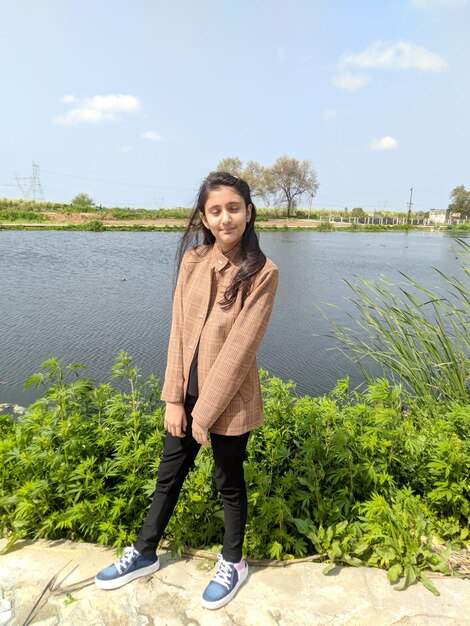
<point x="178" y="457"/>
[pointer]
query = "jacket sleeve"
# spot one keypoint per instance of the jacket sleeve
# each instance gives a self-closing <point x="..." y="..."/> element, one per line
<point x="173" y="387"/>
<point x="236" y="356"/>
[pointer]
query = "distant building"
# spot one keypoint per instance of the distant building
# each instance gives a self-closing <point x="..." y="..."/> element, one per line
<point x="439" y="216"/>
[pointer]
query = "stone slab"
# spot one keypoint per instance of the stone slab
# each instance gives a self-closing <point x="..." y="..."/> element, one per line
<point x="296" y="595"/>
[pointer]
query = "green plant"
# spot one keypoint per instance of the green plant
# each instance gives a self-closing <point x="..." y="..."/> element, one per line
<point x="325" y="226"/>
<point x="11" y="215"/>
<point x="75" y="464"/>
<point x="419" y="337"/>
<point x="363" y="478"/>
<point x="93" y="225"/>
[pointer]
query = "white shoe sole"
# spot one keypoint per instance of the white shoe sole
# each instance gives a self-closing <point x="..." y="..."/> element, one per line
<point x="115" y="583"/>
<point x="220" y="603"/>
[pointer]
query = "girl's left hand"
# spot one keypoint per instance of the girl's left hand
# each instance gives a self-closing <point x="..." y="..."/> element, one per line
<point x="200" y="435"/>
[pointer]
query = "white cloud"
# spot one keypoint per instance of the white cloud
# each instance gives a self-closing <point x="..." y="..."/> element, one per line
<point x="386" y="143"/>
<point x="350" y="81"/>
<point x="99" y="109"/>
<point x="426" y="4"/>
<point x="125" y="149"/>
<point x="401" y="55"/>
<point x="151" y="135"/>
<point x="332" y="113"/>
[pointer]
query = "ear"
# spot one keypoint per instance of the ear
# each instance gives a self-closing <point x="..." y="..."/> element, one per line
<point x="203" y="219"/>
<point x="248" y="212"/>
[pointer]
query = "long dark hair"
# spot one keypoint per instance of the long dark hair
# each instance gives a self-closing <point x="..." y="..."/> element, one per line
<point x="196" y="234"/>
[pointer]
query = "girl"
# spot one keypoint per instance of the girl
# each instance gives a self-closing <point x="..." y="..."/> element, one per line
<point x="221" y="307"/>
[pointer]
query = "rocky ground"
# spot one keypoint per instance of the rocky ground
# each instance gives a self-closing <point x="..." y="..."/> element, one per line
<point x="50" y="583"/>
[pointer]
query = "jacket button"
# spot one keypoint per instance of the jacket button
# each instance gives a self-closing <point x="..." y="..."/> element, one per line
<point x="200" y="315"/>
<point x="220" y="261"/>
<point x="190" y="347"/>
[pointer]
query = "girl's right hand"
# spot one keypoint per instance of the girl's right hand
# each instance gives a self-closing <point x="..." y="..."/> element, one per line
<point x="175" y="419"/>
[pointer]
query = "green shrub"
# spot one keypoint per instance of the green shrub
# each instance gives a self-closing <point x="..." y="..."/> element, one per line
<point x="79" y="463"/>
<point x="93" y="225"/>
<point x="12" y="215"/>
<point x="358" y="477"/>
<point x="325" y="226"/>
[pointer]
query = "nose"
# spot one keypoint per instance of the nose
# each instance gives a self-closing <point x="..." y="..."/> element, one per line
<point x="226" y="217"/>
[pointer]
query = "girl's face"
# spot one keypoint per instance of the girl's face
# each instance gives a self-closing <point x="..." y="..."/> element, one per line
<point x="226" y="216"/>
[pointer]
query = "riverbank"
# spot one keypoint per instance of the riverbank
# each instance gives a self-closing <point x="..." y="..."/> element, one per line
<point x="93" y="222"/>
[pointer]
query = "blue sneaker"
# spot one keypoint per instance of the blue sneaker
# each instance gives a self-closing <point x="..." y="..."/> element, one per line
<point x="130" y="566"/>
<point x="224" y="585"/>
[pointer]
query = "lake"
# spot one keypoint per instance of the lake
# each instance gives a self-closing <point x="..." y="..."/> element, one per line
<point x="85" y="296"/>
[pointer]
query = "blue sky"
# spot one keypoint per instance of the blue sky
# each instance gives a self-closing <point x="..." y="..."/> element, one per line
<point x="134" y="102"/>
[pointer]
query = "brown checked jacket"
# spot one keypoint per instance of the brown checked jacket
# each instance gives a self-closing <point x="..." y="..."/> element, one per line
<point x="229" y="401"/>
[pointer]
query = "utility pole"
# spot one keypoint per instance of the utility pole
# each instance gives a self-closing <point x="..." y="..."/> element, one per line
<point x="410" y="204"/>
<point x="30" y="186"/>
<point x="310" y="205"/>
<point x="36" y="187"/>
<point x="24" y="185"/>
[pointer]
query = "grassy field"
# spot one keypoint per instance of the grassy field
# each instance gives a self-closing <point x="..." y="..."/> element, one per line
<point x="27" y="215"/>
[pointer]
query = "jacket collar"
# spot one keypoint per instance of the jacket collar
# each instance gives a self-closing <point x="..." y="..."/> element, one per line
<point x="220" y="260"/>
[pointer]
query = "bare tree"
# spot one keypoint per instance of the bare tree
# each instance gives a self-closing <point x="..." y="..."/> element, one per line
<point x="290" y="179"/>
<point x="232" y="165"/>
<point x="285" y="182"/>
<point x="255" y="175"/>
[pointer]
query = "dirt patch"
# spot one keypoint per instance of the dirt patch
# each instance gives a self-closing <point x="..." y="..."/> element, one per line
<point x="82" y="218"/>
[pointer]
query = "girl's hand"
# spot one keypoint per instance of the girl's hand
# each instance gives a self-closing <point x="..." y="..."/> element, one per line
<point x="200" y="435"/>
<point x="175" y="419"/>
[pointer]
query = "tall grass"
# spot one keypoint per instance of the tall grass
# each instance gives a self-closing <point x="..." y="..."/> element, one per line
<point x="7" y="215"/>
<point x="418" y="336"/>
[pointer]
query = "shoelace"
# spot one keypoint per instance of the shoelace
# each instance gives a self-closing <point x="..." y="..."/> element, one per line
<point x="129" y="553"/>
<point x="224" y="572"/>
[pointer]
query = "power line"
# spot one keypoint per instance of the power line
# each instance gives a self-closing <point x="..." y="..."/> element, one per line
<point x="116" y="182"/>
<point x="30" y="186"/>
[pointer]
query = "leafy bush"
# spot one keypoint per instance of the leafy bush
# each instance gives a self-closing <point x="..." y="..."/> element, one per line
<point x="82" y="202"/>
<point x="325" y="226"/>
<point x="358" y="477"/>
<point x="93" y="225"/>
<point x="151" y="214"/>
<point x="79" y="462"/>
<point x="30" y="205"/>
<point x="12" y="215"/>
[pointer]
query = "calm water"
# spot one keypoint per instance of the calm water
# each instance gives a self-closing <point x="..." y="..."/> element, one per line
<point x="86" y="296"/>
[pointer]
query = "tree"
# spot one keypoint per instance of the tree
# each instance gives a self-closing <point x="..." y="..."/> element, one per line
<point x="358" y="212"/>
<point x="83" y="201"/>
<point x="460" y="201"/>
<point x="232" y="165"/>
<point x="254" y="174"/>
<point x="257" y="177"/>
<point x="285" y="182"/>
<point x="289" y="179"/>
